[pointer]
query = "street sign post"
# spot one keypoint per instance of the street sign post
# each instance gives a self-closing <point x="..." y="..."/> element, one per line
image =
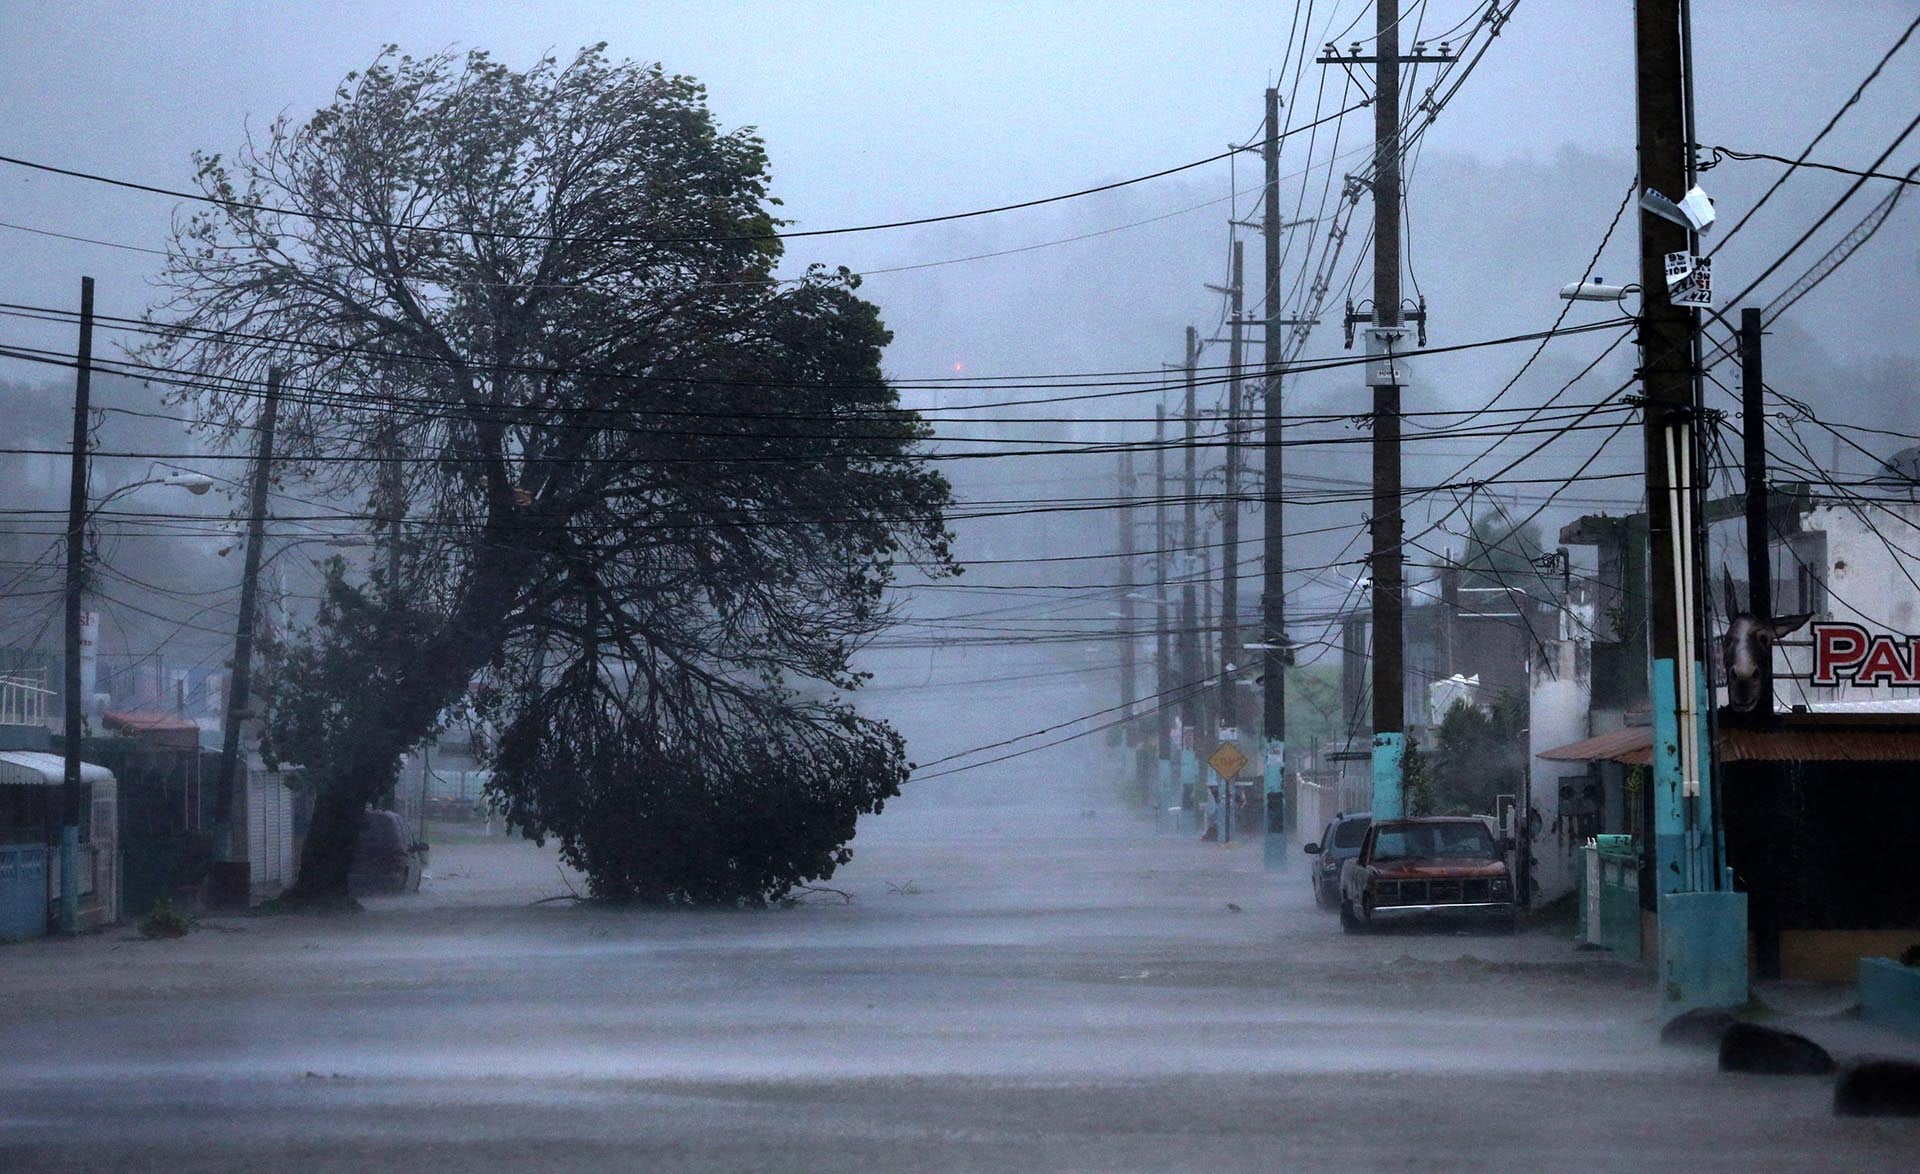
<point x="1227" y="761"/>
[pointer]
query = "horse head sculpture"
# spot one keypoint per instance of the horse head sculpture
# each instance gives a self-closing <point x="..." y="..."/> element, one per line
<point x="1746" y="651"/>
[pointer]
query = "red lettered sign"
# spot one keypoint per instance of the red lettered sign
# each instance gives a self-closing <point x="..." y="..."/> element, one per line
<point x="1849" y="654"/>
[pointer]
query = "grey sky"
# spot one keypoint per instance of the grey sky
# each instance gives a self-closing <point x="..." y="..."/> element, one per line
<point x="876" y="112"/>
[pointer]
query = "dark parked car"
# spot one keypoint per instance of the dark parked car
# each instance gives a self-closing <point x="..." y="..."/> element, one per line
<point x="1339" y="843"/>
<point x="386" y="858"/>
<point x="1445" y="866"/>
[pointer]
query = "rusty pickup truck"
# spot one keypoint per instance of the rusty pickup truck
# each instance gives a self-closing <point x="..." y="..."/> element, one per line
<point x="1449" y="866"/>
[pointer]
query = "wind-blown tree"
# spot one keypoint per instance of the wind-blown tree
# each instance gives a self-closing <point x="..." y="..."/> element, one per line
<point x="649" y="492"/>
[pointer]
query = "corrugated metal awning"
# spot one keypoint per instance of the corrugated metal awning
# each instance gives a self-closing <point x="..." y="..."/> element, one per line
<point x="35" y="768"/>
<point x="1797" y="737"/>
<point x="160" y="729"/>
<point x="1632" y="745"/>
<point x="1806" y="742"/>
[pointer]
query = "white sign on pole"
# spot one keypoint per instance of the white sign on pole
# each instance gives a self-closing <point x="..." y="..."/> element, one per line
<point x="1689" y="280"/>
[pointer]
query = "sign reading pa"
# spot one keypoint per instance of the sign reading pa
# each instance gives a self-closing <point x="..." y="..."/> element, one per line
<point x="1849" y="654"/>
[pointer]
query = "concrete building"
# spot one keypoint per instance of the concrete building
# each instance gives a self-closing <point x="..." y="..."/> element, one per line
<point x="1817" y="798"/>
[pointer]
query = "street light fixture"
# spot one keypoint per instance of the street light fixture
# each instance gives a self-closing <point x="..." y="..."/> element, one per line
<point x="195" y="483"/>
<point x="78" y="516"/>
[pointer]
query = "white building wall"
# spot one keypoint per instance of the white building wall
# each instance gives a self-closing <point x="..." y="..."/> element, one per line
<point x="1868" y="582"/>
<point x="1558" y="702"/>
<point x="1559" y="698"/>
<point x="269" y="831"/>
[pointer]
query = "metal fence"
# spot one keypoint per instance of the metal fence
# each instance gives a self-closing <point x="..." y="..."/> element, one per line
<point x="25" y="699"/>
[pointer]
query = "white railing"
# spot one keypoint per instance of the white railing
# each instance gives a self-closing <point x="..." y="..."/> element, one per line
<point x="25" y="699"/>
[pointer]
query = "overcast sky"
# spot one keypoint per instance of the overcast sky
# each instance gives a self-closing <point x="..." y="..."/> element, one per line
<point x="878" y="112"/>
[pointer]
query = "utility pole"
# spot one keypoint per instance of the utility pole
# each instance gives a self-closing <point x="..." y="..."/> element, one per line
<point x="1163" y="681"/>
<point x="1385" y="377"/>
<point x="1190" y="660"/>
<point x="1273" y="595"/>
<point x="1703" y="923"/>
<point x="1229" y="710"/>
<point x="1753" y="413"/>
<point x="233" y="872"/>
<point x="75" y="593"/>
<point x="1128" y="692"/>
<point x="1389" y="671"/>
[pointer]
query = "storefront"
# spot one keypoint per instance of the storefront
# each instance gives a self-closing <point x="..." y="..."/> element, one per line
<point x="31" y="783"/>
<point x="1822" y="816"/>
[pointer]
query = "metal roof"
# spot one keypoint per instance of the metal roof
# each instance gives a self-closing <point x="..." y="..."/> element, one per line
<point x="1632" y="745"/>
<point x="35" y="768"/>
<point x="1796" y="737"/>
<point x="1797" y="742"/>
<point x="161" y="729"/>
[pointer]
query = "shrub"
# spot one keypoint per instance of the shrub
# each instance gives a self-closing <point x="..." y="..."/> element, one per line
<point x="165" y="922"/>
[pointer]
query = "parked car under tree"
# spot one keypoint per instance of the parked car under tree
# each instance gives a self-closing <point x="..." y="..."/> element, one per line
<point x="1435" y="867"/>
<point x="386" y="857"/>
<point x="1339" y="843"/>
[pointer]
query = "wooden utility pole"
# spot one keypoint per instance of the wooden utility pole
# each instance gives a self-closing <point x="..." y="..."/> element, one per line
<point x="1753" y="411"/>
<point x="1703" y="933"/>
<point x="233" y="871"/>
<point x="1385" y="376"/>
<point x="1190" y="660"/>
<point x="1228" y="709"/>
<point x="1128" y="694"/>
<point x="1389" y="665"/>
<point x="1273" y="594"/>
<point x="73" y="719"/>
<point x="1162" y="676"/>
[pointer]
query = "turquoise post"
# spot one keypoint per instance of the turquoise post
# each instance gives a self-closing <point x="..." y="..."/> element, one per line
<point x="1670" y="849"/>
<point x="1189" y="791"/>
<point x="1389" y="775"/>
<point x="1273" y="793"/>
<point x="1703" y="927"/>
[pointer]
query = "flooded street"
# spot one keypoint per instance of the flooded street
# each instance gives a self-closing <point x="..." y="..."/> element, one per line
<point x="1054" y="987"/>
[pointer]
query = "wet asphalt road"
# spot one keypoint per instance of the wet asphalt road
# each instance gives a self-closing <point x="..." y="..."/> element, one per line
<point x="1029" y="988"/>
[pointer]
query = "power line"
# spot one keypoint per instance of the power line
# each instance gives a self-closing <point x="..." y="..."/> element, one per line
<point x="1845" y="106"/>
<point x="472" y="231"/>
<point x="1720" y="153"/>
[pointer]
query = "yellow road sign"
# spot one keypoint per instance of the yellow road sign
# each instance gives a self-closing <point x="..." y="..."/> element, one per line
<point x="1227" y="761"/>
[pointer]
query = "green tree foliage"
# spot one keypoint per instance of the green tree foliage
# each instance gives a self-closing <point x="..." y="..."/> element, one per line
<point x="661" y="810"/>
<point x="1477" y="755"/>
<point x="1313" y="706"/>
<point x="642" y="484"/>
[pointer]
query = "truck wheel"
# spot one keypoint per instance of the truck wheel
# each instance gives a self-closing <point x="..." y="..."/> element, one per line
<point x="1348" y="921"/>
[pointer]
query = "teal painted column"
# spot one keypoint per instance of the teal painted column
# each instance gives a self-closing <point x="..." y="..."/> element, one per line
<point x="1670" y="849"/>
<point x="1703" y="927"/>
<point x="1389" y="776"/>
<point x="1162" y="789"/>
<point x="1273" y="794"/>
<point x="1189" y="791"/>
